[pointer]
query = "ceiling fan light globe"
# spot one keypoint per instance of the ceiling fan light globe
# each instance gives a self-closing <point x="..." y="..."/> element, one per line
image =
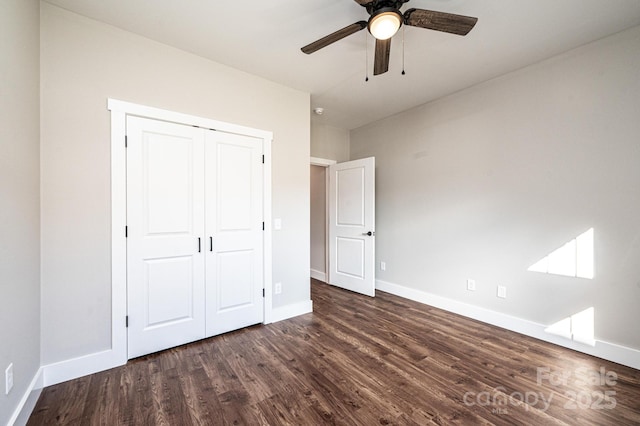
<point x="385" y="24"/>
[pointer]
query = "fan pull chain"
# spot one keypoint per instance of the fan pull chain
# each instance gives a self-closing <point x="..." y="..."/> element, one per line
<point x="403" y="73"/>
<point x="366" y="55"/>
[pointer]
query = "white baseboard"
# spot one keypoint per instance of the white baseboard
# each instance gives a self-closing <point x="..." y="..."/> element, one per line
<point x="320" y="276"/>
<point x="293" y="310"/>
<point x="28" y="402"/>
<point x="70" y="369"/>
<point x="609" y="351"/>
<point x="62" y="371"/>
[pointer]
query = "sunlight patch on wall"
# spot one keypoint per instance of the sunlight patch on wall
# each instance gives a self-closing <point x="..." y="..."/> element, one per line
<point x="574" y="259"/>
<point x="579" y="327"/>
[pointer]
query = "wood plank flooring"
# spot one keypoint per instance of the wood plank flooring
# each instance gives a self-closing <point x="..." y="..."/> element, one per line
<point x="355" y="361"/>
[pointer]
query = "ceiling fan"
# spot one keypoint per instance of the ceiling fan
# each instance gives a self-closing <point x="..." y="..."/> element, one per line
<point x="386" y="19"/>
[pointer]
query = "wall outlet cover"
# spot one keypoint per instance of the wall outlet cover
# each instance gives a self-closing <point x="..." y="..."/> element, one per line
<point x="471" y="285"/>
<point x="502" y="292"/>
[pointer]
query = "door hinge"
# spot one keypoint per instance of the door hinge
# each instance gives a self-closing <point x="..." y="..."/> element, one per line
<point x="262" y="158"/>
<point x="263" y="292"/>
<point x="125" y="141"/>
<point x="126" y="231"/>
<point x="263" y="226"/>
<point x="126" y="321"/>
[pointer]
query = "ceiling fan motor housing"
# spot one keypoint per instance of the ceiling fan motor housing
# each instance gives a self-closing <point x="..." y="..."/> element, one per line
<point x="374" y="6"/>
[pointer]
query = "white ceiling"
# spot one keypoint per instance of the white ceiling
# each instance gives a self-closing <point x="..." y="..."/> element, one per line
<point x="264" y="37"/>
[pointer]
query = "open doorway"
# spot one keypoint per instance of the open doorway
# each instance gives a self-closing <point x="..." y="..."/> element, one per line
<point x="318" y="217"/>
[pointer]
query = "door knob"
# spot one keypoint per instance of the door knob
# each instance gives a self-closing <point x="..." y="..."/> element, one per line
<point x="369" y="233"/>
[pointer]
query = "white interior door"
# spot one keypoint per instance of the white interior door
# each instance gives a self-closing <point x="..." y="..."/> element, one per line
<point x="235" y="232"/>
<point x="165" y="247"/>
<point x="352" y="225"/>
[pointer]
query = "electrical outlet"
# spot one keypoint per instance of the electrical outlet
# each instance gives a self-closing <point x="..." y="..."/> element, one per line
<point x="502" y="291"/>
<point x="277" y="288"/>
<point x="383" y="266"/>
<point x="471" y="285"/>
<point x="8" y="379"/>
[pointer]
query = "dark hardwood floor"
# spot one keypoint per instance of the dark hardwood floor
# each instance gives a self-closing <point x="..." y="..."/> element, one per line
<point x="355" y="361"/>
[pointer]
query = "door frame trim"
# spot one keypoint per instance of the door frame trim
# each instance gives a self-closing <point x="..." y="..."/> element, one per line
<point x="119" y="112"/>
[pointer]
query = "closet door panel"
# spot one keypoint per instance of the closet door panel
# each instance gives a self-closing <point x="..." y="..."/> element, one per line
<point x="234" y="229"/>
<point x="165" y="222"/>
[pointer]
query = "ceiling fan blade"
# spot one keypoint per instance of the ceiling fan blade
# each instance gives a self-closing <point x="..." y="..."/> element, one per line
<point x="363" y="2"/>
<point x="440" y="21"/>
<point x="333" y="37"/>
<point x="381" y="62"/>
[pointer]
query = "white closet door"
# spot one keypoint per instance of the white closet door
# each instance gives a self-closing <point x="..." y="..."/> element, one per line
<point x="165" y="244"/>
<point x="234" y="230"/>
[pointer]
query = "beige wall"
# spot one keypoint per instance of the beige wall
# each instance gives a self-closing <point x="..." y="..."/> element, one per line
<point x="486" y="182"/>
<point x="331" y="143"/>
<point x="84" y="63"/>
<point x="19" y="198"/>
